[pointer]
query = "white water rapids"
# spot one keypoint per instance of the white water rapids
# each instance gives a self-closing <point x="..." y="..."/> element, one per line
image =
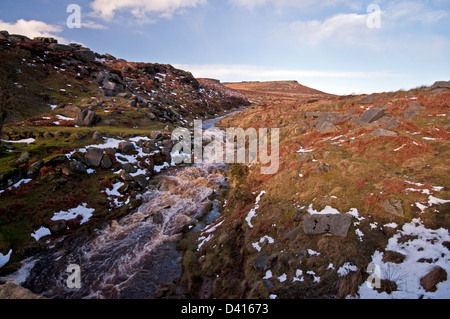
<point x="133" y="256"/>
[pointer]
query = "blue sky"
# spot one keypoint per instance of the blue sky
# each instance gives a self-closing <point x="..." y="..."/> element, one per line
<point x="327" y="45"/>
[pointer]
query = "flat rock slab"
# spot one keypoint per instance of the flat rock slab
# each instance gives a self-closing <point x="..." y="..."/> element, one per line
<point x="327" y="224"/>
<point x="371" y="115"/>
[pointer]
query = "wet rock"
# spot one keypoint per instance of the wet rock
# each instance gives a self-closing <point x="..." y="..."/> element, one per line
<point x="371" y="115"/>
<point x="393" y="206"/>
<point x="158" y="217"/>
<point x="93" y="157"/>
<point x="334" y="224"/>
<point x="433" y="278"/>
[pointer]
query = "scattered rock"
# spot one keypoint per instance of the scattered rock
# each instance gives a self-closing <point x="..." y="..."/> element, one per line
<point x="125" y="176"/>
<point x="414" y="106"/>
<point x="106" y="162"/>
<point x="24" y="157"/>
<point x="326" y="127"/>
<point x="334" y="224"/>
<point x="433" y="278"/>
<point x="293" y="233"/>
<point x="93" y="157"/>
<point x="383" y="132"/>
<point x="96" y="136"/>
<point x="77" y="167"/>
<point x="305" y="156"/>
<point x="57" y="227"/>
<point x="261" y="263"/>
<point x="126" y="147"/>
<point x="87" y="118"/>
<point x="371" y="115"/>
<point x="321" y="168"/>
<point x="393" y="206"/>
<point x="410" y="114"/>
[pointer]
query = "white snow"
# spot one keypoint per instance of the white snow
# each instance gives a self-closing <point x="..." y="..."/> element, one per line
<point x="312" y="273"/>
<point x="158" y="169"/>
<point x="258" y="247"/>
<point x="82" y="210"/>
<point x="282" y="278"/>
<point x="41" y="232"/>
<point x="302" y="150"/>
<point x="5" y="258"/>
<point x="268" y="275"/>
<point x="313" y="252"/>
<point x="298" y="276"/>
<point x="346" y="269"/>
<point x="16" y="185"/>
<point x="422" y="243"/>
<point x="27" y="141"/>
<point x="252" y="212"/>
<point x="273" y="297"/>
<point x="391" y="225"/>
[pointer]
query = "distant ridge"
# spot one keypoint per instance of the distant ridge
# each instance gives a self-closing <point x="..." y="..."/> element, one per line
<point x="274" y="86"/>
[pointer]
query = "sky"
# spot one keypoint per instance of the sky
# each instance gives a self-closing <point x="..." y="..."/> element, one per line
<point x="337" y="46"/>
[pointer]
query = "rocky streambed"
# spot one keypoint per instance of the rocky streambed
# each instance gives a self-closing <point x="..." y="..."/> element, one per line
<point x="135" y="256"/>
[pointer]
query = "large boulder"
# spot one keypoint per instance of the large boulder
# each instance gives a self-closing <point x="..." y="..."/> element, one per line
<point x="371" y="115"/>
<point x="71" y="110"/>
<point x="60" y="47"/>
<point x="441" y="85"/>
<point x="93" y="157"/>
<point x="87" y="118"/>
<point x="126" y="147"/>
<point x="326" y="127"/>
<point x="77" y="167"/>
<point x="327" y="224"/>
<point x="86" y="55"/>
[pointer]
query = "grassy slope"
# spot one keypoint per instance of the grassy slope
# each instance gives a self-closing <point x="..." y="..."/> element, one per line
<point x="366" y="171"/>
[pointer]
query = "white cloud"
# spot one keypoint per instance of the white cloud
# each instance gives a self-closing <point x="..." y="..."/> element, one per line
<point x="107" y="9"/>
<point x="93" y="25"/>
<point x="32" y="28"/>
<point x="342" y="28"/>
<point x="301" y="4"/>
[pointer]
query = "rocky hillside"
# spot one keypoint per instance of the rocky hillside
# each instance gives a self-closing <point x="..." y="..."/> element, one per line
<point x="363" y="180"/>
<point x="85" y="132"/>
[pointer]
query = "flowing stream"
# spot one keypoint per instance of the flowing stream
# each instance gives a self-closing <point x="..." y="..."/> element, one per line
<point x="133" y="256"/>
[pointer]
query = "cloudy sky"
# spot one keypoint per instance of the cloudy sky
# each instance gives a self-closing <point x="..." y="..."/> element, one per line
<point x="338" y="46"/>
